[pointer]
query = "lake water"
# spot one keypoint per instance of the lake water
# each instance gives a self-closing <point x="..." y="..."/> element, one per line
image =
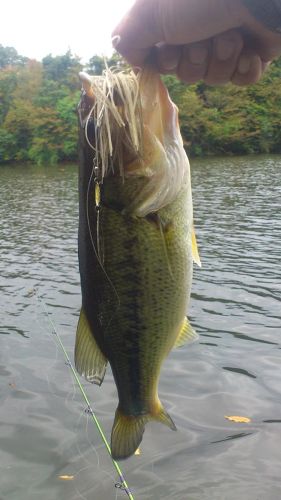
<point x="235" y="368"/>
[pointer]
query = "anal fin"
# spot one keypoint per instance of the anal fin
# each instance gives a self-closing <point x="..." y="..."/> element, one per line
<point x="89" y="360"/>
<point x="187" y="334"/>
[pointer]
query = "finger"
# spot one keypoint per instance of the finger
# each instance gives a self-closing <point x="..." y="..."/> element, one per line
<point x="174" y="23"/>
<point x="225" y="52"/>
<point x="266" y="43"/>
<point x="167" y="57"/>
<point x="249" y="68"/>
<point x="137" y="32"/>
<point x="265" y="65"/>
<point x="193" y="62"/>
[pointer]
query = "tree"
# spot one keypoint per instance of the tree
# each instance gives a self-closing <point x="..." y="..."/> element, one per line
<point x="8" y="84"/>
<point x="10" y="57"/>
<point x="38" y="104"/>
<point x="19" y="123"/>
<point x="46" y="142"/>
<point x="97" y="64"/>
<point x="67" y="113"/>
<point x="63" y="69"/>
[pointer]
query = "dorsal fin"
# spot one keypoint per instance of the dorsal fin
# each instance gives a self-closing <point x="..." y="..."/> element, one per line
<point x="187" y="334"/>
<point x="89" y="360"/>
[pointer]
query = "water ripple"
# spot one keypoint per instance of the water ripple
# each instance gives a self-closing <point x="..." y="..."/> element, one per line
<point x="233" y="370"/>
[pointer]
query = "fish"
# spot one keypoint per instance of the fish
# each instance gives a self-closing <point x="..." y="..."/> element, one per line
<point x="136" y="243"/>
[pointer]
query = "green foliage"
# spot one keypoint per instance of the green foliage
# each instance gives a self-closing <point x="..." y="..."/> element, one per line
<point x="19" y="124"/>
<point x="38" y="120"/>
<point x="38" y="104"/>
<point x="10" y="57"/>
<point x="230" y="119"/>
<point x="63" y="69"/>
<point x="7" y="146"/>
<point x="96" y="64"/>
<point x="66" y="109"/>
<point x="8" y="84"/>
<point x="50" y="93"/>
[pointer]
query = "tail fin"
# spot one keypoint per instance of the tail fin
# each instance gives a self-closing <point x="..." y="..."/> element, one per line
<point x="128" y="430"/>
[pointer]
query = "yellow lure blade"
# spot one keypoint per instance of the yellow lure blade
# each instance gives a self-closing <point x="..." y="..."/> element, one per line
<point x="97" y="194"/>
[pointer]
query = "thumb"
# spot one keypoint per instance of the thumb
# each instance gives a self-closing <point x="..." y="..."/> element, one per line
<point x="174" y="22"/>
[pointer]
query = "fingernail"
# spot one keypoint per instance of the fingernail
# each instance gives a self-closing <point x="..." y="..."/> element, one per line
<point x="198" y="55"/>
<point x="224" y="48"/>
<point x="170" y="60"/>
<point x="265" y="65"/>
<point x="244" y="65"/>
<point x="169" y="64"/>
<point x="115" y="40"/>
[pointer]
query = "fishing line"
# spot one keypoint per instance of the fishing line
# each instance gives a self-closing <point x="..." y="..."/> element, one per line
<point x="96" y="250"/>
<point x="122" y="485"/>
<point x="96" y="177"/>
<point x="104" y="111"/>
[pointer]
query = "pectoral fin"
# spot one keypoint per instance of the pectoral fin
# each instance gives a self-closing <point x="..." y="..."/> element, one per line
<point x="195" y="253"/>
<point x="187" y="334"/>
<point x="89" y="360"/>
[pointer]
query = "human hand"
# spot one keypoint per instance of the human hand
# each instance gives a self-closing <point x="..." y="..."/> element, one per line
<point x="212" y="40"/>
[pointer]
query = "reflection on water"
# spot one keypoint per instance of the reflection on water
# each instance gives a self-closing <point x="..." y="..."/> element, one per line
<point x="238" y="370"/>
<point x="233" y="436"/>
<point x="233" y="370"/>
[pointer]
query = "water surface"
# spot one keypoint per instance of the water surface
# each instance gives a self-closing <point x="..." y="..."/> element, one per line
<point x="235" y="369"/>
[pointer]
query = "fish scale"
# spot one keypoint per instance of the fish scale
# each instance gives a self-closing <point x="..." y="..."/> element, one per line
<point x="135" y="299"/>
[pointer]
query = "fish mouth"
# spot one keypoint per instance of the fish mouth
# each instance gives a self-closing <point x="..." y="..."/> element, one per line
<point x="136" y="133"/>
<point x="86" y="81"/>
<point x="158" y="112"/>
<point x="112" y="102"/>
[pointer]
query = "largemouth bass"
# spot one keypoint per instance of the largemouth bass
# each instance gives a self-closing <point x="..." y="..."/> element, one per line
<point x="136" y="244"/>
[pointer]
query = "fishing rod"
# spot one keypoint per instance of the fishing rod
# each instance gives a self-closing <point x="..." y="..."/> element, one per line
<point x="122" y="485"/>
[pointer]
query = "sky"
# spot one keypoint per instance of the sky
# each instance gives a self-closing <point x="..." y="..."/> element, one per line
<point x="37" y="28"/>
